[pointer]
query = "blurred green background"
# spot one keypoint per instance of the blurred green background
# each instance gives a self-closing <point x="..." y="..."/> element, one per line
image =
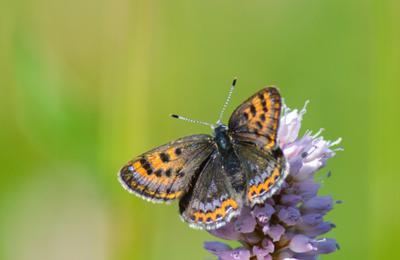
<point x="87" y="85"/>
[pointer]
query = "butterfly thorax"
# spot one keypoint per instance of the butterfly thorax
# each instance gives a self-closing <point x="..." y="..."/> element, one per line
<point x="229" y="159"/>
<point x="222" y="139"/>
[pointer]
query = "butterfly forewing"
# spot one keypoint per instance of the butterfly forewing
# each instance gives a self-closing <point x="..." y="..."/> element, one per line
<point x="164" y="173"/>
<point x="257" y="119"/>
<point x="211" y="202"/>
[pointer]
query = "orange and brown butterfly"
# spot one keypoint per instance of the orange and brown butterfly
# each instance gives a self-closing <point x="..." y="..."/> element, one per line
<point x="214" y="176"/>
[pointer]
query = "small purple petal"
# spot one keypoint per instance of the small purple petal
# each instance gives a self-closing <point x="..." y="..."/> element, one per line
<point x="259" y="252"/>
<point x="289" y="215"/>
<point x="227" y="232"/>
<point x="301" y="244"/>
<point x="245" y="223"/>
<point x="290" y="124"/>
<point x="312" y="219"/>
<point x="295" y="165"/>
<point x="215" y="247"/>
<point x="264" y="250"/>
<point x="275" y="231"/>
<point x="299" y="148"/>
<point x="224" y="252"/>
<point x="291" y="199"/>
<point x="251" y="238"/>
<point x="268" y="245"/>
<point x="286" y="255"/>
<point x="267" y="257"/>
<point x="317" y="230"/>
<point x="305" y="256"/>
<point x="319" y="149"/>
<point x="307" y="189"/>
<point x="263" y="214"/>
<point x="236" y="254"/>
<point x="325" y="245"/>
<point x="308" y="170"/>
<point x="318" y="204"/>
<point x="291" y="151"/>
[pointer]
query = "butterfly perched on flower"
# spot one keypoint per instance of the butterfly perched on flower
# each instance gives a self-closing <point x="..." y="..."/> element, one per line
<point x="214" y="176"/>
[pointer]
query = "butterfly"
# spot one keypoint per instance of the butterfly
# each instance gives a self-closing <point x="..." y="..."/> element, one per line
<point x="215" y="176"/>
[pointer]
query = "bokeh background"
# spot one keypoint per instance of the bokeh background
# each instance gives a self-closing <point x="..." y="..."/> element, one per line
<point x="87" y="85"/>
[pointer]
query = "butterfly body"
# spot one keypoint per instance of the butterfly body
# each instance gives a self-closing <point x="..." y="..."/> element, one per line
<point x="229" y="160"/>
<point x="215" y="176"/>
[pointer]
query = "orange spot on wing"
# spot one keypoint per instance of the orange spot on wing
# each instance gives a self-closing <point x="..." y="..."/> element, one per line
<point x="255" y="190"/>
<point x="139" y="169"/>
<point x="152" y="178"/>
<point x="271" y="144"/>
<point x="155" y="161"/>
<point x="171" y="153"/>
<point x="219" y="212"/>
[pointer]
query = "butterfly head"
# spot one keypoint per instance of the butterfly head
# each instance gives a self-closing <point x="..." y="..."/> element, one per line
<point x="221" y="137"/>
<point x="219" y="129"/>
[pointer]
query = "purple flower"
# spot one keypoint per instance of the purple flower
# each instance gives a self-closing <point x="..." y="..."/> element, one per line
<point x="288" y="225"/>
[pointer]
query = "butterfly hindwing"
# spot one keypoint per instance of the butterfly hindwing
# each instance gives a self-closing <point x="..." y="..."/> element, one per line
<point x="265" y="171"/>
<point x="211" y="202"/>
<point x="257" y="119"/>
<point x="164" y="173"/>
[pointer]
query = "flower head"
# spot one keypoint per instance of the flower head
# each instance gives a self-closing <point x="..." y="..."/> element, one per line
<point x="288" y="225"/>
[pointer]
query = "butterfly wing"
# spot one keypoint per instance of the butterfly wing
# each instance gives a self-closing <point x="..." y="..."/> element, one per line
<point x="257" y="119"/>
<point x="211" y="202"/>
<point x="164" y="173"/>
<point x="265" y="171"/>
<point x="253" y="126"/>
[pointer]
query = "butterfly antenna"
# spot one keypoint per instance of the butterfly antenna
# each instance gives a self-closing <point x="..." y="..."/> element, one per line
<point x="228" y="99"/>
<point x="190" y="120"/>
